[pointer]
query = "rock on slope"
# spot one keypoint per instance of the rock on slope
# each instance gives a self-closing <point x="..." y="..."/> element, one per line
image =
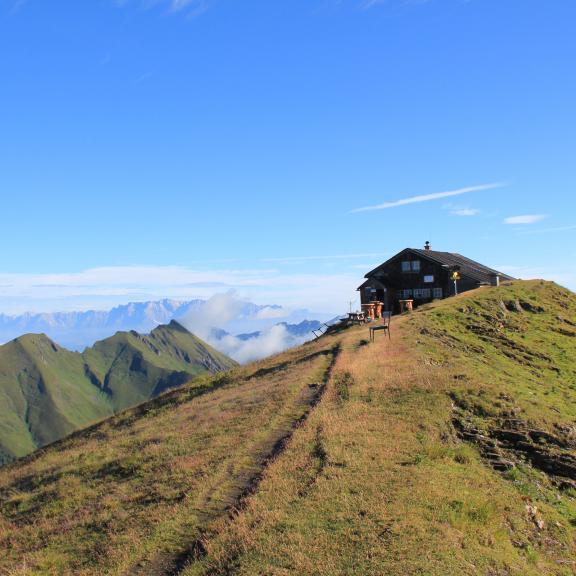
<point x="47" y="392"/>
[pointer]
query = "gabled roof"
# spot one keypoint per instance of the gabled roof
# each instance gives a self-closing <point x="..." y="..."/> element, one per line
<point x="468" y="267"/>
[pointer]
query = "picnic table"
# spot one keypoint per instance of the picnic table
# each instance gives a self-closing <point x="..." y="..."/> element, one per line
<point x="356" y="317"/>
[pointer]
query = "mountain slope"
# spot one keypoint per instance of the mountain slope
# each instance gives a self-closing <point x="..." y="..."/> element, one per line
<point x="47" y="392"/>
<point x="132" y="368"/>
<point x="44" y="395"/>
<point x="445" y="450"/>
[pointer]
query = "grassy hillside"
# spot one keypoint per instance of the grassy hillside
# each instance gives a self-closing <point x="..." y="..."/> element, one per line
<point x="47" y="392"/>
<point x="44" y="395"/>
<point x="449" y="449"/>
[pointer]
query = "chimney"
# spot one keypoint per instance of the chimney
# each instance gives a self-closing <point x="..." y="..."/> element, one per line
<point x="427" y="246"/>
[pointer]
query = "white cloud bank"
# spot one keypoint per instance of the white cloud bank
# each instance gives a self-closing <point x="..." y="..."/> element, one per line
<point x="223" y="309"/>
<point x="269" y="342"/>
<point x="430" y="197"/>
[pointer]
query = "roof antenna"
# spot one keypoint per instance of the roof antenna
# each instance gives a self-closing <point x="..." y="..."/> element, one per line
<point x="427" y="246"/>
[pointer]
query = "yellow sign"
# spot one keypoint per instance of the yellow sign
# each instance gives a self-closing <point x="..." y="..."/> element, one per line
<point x="456" y="276"/>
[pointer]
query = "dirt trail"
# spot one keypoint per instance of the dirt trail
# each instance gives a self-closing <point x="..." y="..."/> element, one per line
<point x="238" y="484"/>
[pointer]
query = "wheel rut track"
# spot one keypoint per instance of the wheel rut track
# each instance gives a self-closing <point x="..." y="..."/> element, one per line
<point x="166" y="564"/>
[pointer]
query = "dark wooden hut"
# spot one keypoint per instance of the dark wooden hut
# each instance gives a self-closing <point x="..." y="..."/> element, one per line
<point x="423" y="275"/>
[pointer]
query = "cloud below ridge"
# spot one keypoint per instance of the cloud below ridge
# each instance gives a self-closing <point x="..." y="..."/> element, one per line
<point x="222" y="309"/>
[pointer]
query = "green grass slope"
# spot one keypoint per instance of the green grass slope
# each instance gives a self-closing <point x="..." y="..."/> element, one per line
<point x="449" y="449"/>
<point x="44" y="395"/>
<point x="47" y="392"/>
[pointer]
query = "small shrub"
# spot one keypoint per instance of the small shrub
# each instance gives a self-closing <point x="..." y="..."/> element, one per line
<point x="531" y="554"/>
<point x="419" y="458"/>
<point x="513" y="474"/>
<point x="464" y="454"/>
<point x="463" y="513"/>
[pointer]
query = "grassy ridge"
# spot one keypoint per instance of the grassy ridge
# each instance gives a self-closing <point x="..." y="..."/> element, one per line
<point x="432" y="453"/>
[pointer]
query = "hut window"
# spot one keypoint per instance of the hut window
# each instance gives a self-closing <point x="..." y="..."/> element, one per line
<point x="411" y="266"/>
<point x="405" y="293"/>
<point x="429" y="279"/>
<point x="369" y="292"/>
<point x="422" y="293"/>
<point x="437" y="293"/>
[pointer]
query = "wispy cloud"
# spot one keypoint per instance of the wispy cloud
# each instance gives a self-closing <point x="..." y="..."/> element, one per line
<point x="191" y="8"/>
<point x="17" y="5"/>
<point x="465" y="212"/>
<point x="143" y="77"/>
<point x="367" y="4"/>
<point x="371" y="3"/>
<point x="525" y="219"/>
<point x="430" y="197"/>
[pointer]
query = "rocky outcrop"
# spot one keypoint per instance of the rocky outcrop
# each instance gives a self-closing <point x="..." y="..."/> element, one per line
<point x="504" y="442"/>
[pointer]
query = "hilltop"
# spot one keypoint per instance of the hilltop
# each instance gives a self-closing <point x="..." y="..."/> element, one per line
<point x="449" y="449"/>
<point x="47" y="392"/>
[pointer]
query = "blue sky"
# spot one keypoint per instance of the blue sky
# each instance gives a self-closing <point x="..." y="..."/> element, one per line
<point x="154" y="148"/>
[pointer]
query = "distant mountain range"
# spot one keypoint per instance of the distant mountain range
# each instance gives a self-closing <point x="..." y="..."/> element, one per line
<point x="77" y="330"/>
<point x="46" y="391"/>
